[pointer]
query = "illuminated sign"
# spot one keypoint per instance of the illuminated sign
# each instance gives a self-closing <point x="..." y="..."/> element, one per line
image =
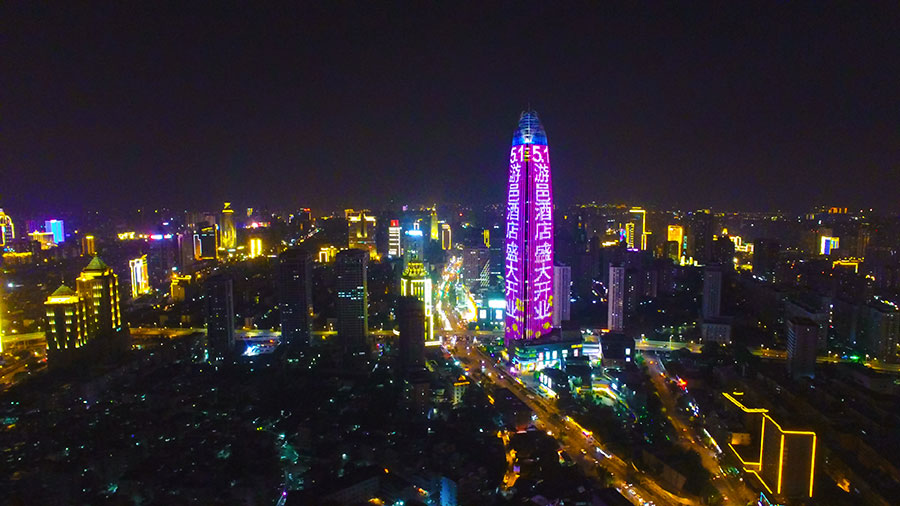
<point x="529" y="234"/>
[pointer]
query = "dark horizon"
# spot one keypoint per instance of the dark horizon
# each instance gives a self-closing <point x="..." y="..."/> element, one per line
<point x="750" y="107"/>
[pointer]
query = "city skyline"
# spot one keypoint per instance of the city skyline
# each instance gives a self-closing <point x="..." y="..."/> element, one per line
<point x="195" y="106"/>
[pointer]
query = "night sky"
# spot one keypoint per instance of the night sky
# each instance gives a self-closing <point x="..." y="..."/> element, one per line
<point x="752" y="107"/>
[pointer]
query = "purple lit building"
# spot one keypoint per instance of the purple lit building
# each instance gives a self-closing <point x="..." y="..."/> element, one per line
<point x="529" y="234"/>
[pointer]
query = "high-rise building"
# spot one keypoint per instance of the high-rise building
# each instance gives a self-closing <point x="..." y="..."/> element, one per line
<point x="475" y="269"/>
<point x="395" y="249"/>
<point x="676" y="233"/>
<point x="87" y="246"/>
<point x="57" y="228"/>
<point x="414" y="249"/>
<point x="227" y="230"/>
<point x="140" y="280"/>
<point x="361" y="230"/>
<point x="255" y="247"/>
<point x="529" y="234"/>
<point x="433" y="223"/>
<point x="206" y="242"/>
<point x="295" y="297"/>
<point x="783" y="460"/>
<point x="712" y="292"/>
<point x="7" y="229"/>
<point x="415" y="282"/>
<point x="178" y="287"/>
<point x="802" y="337"/>
<point x="219" y="295"/>
<point x="765" y="257"/>
<point x="640" y="227"/>
<point x="562" y="294"/>
<point x="353" y="301"/>
<point x="67" y="322"/>
<point x="880" y="331"/>
<point x="616" y="299"/>
<point x="99" y="286"/>
<point x="411" y="320"/>
<point x="446" y="238"/>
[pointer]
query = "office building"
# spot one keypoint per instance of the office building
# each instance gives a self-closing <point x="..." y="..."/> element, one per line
<point x="529" y="234"/>
<point x="880" y="331"/>
<point x="7" y="229"/>
<point x="178" y="287"/>
<point x="361" y="230"/>
<point x="783" y="460"/>
<point x="206" y="242"/>
<point x="88" y="249"/>
<point x="628" y="232"/>
<point x="712" y="292"/>
<point x="802" y="336"/>
<point x="99" y="286"/>
<point x="415" y="282"/>
<point x="57" y="228"/>
<point x="227" y="230"/>
<point x="675" y="233"/>
<point x="140" y="280"/>
<point x="411" y="321"/>
<point x="640" y="232"/>
<point x="295" y="297"/>
<point x="414" y="247"/>
<point x="353" y="301"/>
<point x="562" y="294"/>
<point x="67" y="323"/>
<point x="395" y="248"/>
<point x="446" y="237"/>
<point x="476" y="269"/>
<point x="765" y="258"/>
<point x="433" y="224"/>
<point x="616" y="299"/>
<point x="218" y="291"/>
<point x="255" y="247"/>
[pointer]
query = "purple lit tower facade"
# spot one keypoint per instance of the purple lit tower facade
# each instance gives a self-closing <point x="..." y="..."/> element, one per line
<point x="529" y="234"/>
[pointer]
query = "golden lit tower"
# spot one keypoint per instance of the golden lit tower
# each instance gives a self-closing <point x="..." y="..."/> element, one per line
<point x="415" y="282"/>
<point x="361" y="230"/>
<point x="140" y="280"/>
<point x="7" y="229"/>
<point x="87" y="246"/>
<point x="67" y="322"/>
<point x="99" y="286"/>
<point x="227" y="229"/>
<point x="434" y="224"/>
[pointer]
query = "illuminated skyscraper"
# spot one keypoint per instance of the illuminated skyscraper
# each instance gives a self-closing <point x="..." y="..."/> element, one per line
<point x="353" y="301"/>
<point x="57" y="228"/>
<point x="361" y="231"/>
<point x="87" y="246"/>
<point x="415" y="282"/>
<point x="675" y="233"/>
<point x="99" y="286"/>
<point x="255" y="247"/>
<point x="640" y="227"/>
<point x="529" y="233"/>
<point x="7" y="229"/>
<point x="226" y="228"/>
<point x="394" y="233"/>
<point x="206" y="243"/>
<point x="446" y="237"/>
<point x="67" y="322"/>
<point x="433" y="222"/>
<point x="616" y="299"/>
<point x="140" y="280"/>
<point x="295" y="296"/>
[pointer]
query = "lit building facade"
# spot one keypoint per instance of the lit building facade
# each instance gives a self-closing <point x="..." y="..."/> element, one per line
<point x="99" y="286"/>
<point x="57" y="228"/>
<point x="446" y="237"/>
<point x="361" y="231"/>
<point x="395" y="249"/>
<point x="675" y="233"/>
<point x="255" y="247"/>
<point x="7" y="229"/>
<point x="353" y="301"/>
<point x="227" y="229"/>
<point x="88" y="249"/>
<point x="206" y="243"/>
<point x="615" y="317"/>
<point x="415" y="282"/>
<point x="529" y="234"/>
<point x="140" y="280"/>
<point x="67" y="322"/>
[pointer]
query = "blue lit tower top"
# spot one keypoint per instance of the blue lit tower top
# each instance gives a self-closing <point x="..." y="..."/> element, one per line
<point x="530" y="130"/>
